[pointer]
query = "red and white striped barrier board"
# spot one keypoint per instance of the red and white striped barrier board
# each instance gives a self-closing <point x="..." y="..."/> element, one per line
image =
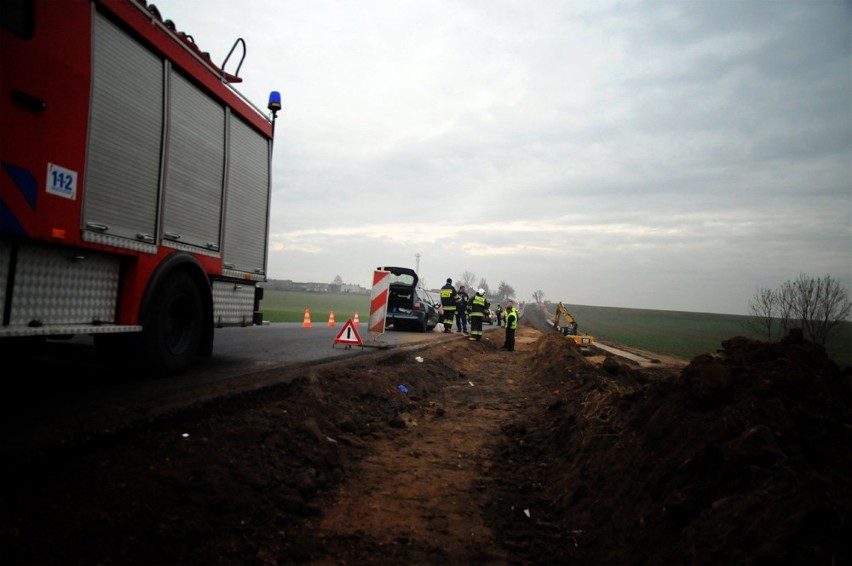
<point x="379" y="302"/>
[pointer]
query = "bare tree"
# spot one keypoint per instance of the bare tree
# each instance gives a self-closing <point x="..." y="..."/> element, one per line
<point x="822" y="305"/>
<point x="336" y="285"/>
<point x="804" y="301"/>
<point x="816" y="305"/>
<point x="467" y="279"/>
<point x="763" y="307"/>
<point x="505" y="291"/>
<point x="538" y="295"/>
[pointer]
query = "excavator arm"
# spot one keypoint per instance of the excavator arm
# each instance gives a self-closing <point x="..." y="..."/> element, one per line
<point x="569" y="326"/>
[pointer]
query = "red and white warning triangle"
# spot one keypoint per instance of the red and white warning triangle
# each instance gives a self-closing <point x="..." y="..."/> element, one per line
<point x="348" y="334"/>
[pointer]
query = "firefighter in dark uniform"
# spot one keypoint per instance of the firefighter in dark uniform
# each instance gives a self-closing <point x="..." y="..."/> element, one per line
<point x="511" y="325"/>
<point x="479" y="305"/>
<point x="449" y="302"/>
<point x="461" y="311"/>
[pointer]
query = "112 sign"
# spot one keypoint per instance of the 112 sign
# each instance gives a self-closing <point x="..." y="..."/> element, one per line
<point x="61" y="181"/>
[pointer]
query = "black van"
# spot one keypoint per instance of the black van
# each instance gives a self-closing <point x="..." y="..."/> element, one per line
<point x="409" y="306"/>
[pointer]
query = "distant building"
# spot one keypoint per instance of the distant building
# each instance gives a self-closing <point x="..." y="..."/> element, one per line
<point x="354" y="289"/>
<point x="290" y="285"/>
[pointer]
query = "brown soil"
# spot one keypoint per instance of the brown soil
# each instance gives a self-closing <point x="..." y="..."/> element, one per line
<point x="538" y="456"/>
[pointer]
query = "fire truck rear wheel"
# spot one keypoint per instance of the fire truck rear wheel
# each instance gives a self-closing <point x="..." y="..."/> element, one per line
<point x="174" y="325"/>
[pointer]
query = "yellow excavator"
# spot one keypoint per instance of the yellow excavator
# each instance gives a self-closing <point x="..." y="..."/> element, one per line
<point x="569" y="328"/>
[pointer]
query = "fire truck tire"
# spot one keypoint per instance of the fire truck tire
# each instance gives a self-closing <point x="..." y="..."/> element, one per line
<point x="174" y="324"/>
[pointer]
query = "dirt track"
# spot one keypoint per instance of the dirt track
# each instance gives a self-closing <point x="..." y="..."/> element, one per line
<point x="487" y="457"/>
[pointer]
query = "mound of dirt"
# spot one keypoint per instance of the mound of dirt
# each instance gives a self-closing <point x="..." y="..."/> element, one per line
<point x="744" y="459"/>
<point x="461" y="453"/>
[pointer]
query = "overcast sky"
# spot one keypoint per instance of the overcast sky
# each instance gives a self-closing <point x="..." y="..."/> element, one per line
<point x="656" y="154"/>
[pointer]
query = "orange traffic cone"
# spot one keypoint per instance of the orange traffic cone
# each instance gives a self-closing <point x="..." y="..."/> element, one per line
<point x="307" y="323"/>
<point x="356" y="322"/>
<point x="331" y="319"/>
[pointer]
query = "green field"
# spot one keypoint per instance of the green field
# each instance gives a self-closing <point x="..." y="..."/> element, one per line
<point x="683" y="334"/>
<point x="289" y="306"/>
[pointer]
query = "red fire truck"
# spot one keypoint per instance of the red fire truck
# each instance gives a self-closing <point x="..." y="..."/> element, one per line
<point x="134" y="183"/>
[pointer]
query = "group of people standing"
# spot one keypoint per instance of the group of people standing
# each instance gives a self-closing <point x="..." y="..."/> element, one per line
<point x="460" y="308"/>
